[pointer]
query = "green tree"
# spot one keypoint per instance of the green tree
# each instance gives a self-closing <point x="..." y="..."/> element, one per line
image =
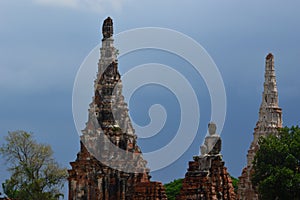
<point x="235" y="183"/>
<point x="277" y="165"/>
<point x="35" y="175"/>
<point x="173" y="188"/>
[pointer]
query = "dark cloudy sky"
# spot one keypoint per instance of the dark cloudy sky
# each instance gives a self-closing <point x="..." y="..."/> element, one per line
<point x="43" y="43"/>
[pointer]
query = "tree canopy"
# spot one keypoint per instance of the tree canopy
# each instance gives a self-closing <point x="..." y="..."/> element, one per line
<point x="35" y="175"/>
<point x="235" y="183"/>
<point x="173" y="188"/>
<point x="277" y="165"/>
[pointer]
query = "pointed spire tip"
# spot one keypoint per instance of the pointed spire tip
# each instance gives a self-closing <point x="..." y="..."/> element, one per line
<point x="107" y="28"/>
<point x="269" y="56"/>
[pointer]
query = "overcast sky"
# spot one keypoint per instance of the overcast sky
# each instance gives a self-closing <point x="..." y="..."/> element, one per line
<point x="43" y="43"/>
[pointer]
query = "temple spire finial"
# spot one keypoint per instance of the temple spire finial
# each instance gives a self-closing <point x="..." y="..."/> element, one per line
<point x="107" y="28"/>
<point x="269" y="56"/>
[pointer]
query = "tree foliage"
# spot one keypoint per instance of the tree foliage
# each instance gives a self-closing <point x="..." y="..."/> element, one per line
<point x="277" y="165"/>
<point x="173" y="188"/>
<point x="35" y="175"/>
<point x="235" y="183"/>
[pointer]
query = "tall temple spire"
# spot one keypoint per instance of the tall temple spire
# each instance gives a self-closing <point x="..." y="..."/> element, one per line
<point x="108" y="142"/>
<point x="269" y="121"/>
<point x="270" y="114"/>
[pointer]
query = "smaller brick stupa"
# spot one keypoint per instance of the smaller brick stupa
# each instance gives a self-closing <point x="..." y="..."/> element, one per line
<point x="207" y="177"/>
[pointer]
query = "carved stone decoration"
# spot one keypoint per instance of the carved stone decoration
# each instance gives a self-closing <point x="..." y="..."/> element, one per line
<point x="207" y="177"/>
<point x="269" y="121"/>
<point x="108" y="128"/>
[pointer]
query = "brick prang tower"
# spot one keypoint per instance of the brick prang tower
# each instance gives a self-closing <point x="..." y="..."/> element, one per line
<point x="110" y="165"/>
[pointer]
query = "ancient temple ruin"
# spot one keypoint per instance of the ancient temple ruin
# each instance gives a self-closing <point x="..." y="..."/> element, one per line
<point x="207" y="177"/>
<point x="110" y="165"/>
<point x="269" y="121"/>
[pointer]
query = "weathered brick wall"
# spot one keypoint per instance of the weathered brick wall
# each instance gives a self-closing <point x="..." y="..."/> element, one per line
<point x="214" y="183"/>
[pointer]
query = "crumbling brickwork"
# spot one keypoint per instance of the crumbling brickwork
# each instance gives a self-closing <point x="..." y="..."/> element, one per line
<point x="207" y="177"/>
<point x="110" y="165"/>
